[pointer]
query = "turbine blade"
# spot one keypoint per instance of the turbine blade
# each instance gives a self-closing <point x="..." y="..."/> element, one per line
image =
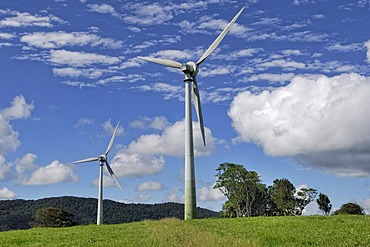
<point x="161" y="61"/>
<point x="86" y="160"/>
<point x="198" y="108"/>
<point x="111" y="140"/>
<point x="219" y="39"/>
<point x="112" y="174"/>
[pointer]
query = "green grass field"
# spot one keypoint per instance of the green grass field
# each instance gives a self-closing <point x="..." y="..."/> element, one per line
<point x="342" y="230"/>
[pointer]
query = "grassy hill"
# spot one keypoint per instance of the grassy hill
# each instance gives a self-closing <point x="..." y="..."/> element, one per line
<point x="17" y="214"/>
<point x="342" y="230"/>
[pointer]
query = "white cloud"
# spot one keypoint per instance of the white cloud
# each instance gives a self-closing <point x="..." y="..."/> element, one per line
<point x="322" y="122"/>
<point x="80" y="59"/>
<point x="173" y="196"/>
<point x="19" y="19"/>
<point x="367" y="44"/>
<point x="126" y="164"/>
<point x="346" y="48"/>
<point x="282" y="63"/>
<point x="83" y="122"/>
<point x="102" y="8"/>
<point x="272" y="77"/>
<point x="52" y="40"/>
<point x="167" y="90"/>
<point x="4" y="168"/>
<point x="157" y="123"/>
<point x="144" y="156"/>
<point x="19" y="109"/>
<point x="109" y="128"/>
<point x="27" y="162"/>
<point x="148" y="14"/>
<point x="6" y="36"/>
<point x="171" y="142"/>
<point x="143" y="197"/>
<point x="5" y="193"/>
<point x="149" y="185"/>
<point x="74" y="72"/>
<point x="53" y="173"/>
<point x="208" y="193"/>
<point x="365" y="204"/>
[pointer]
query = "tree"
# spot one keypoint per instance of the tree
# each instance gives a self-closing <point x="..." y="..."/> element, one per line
<point x="259" y="206"/>
<point x="228" y="210"/>
<point x="324" y="203"/>
<point x="303" y="198"/>
<point x="350" y="208"/>
<point x="282" y="194"/>
<point x="53" y="217"/>
<point x="238" y="185"/>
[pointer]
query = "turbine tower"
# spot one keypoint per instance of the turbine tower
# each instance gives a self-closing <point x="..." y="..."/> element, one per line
<point x="190" y="69"/>
<point x="103" y="160"/>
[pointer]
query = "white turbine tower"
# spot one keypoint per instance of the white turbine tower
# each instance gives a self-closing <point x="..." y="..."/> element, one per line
<point x="103" y="160"/>
<point x="190" y="69"/>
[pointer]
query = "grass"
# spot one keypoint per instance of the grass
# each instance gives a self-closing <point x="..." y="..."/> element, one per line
<point x="342" y="230"/>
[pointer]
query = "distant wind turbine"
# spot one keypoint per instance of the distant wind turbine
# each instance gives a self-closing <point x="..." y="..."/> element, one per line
<point x="190" y="69"/>
<point x="103" y="160"/>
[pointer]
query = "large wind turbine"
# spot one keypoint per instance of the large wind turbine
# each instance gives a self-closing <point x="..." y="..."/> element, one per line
<point x="190" y="69"/>
<point x="103" y="160"/>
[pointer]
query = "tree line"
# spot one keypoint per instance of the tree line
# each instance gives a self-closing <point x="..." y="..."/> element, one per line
<point x="248" y="196"/>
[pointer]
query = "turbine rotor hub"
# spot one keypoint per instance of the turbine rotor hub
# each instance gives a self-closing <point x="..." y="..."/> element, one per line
<point x="190" y="69"/>
<point x="102" y="158"/>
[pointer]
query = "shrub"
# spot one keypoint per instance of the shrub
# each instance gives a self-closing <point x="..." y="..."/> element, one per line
<point x="52" y="217"/>
<point x="350" y="208"/>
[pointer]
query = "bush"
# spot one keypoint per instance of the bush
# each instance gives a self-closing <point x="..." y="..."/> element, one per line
<point x="350" y="208"/>
<point x="52" y="217"/>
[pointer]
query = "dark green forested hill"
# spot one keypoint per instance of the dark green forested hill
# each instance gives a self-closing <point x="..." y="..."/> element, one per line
<point x="17" y="214"/>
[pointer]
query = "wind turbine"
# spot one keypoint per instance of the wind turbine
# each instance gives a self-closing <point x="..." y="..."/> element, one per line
<point x="103" y="160"/>
<point x="190" y="69"/>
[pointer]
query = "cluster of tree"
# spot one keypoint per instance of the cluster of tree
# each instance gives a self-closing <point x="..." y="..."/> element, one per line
<point x="21" y="214"/>
<point x="248" y="196"/>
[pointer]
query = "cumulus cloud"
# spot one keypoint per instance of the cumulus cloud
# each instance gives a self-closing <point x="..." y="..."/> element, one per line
<point x="54" y="173"/>
<point x="144" y="156"/>
<point x="4" y="168"/>
<point x="80" y="59"/>
<point x="367" y="44"/>
<point x="102" y="8"/>
<point x="5" y="193"/>
<point x="171" y="142"/>
<point x="157" y="123"/>
<point x="208" y="193"/>
<point x="126" y="164"/>
<point x="52" y="40"/>
<point x="149" y="185"/>
<point x="148" y="14"/>
<point x="173" y="196"/>
<point x="143" y="197"/>
<point x="322" y="122"/>
<point x="109" y="128"/>
<point x="19" y="109"/>
<point x="24" y="19"/>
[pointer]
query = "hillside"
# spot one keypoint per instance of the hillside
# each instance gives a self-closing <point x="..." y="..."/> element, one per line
<point x="16" y="214"/>
<point x="342" y="230"/>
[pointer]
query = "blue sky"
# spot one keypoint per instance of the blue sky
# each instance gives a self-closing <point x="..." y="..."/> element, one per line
<point x="285" y="94"/>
